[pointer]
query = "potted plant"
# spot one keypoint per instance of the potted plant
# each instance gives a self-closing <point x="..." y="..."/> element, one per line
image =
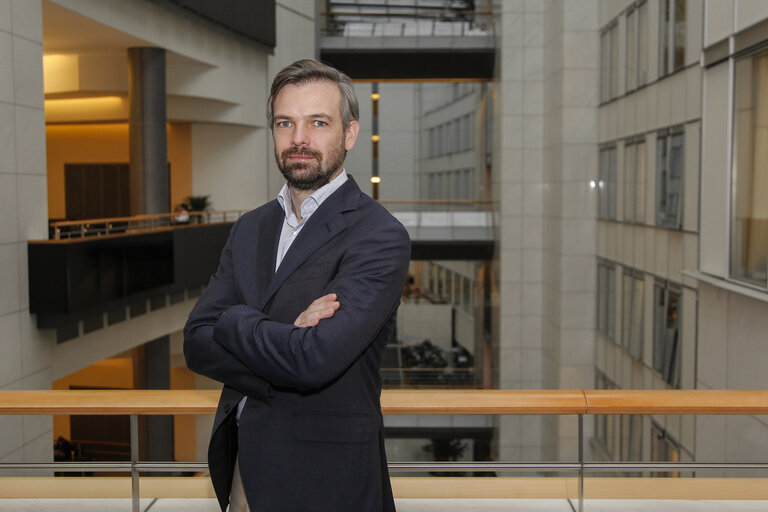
<point x="198" y="204"/>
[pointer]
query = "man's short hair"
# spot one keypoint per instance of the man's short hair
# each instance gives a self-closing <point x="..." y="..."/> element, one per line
<point x="309" y="70"/>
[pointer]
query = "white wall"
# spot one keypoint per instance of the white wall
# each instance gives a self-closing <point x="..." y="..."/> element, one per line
<point x="25" y="352"/>
<point x="227" y="164"/>
<point x="732" y="355"/>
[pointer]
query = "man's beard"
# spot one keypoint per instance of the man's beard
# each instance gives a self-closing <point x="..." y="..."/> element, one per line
<point x="310" y="175"/>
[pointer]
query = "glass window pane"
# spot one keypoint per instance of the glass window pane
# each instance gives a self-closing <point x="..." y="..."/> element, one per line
<point x="614" y="61"/>
<point x="631" y="51"/>
<point x="611" y="297"/>
<point x="675" y="181"/>
<point x="602" y="298"/>
<point x="602" y="185"/>
<point x="642" y="44"/>
<point x="749" y="208"/>
<point x="636" y="321"/>
<point x="659" y="310"/>
<point x="612" y="183"/>
<point x="605" y="72"/>
<point x="664" y="27"/>
<point x="679" y="35"/>
<point x="626" y="310"/>
<point x="629" y="182"/>
<point x="640" y="182"/>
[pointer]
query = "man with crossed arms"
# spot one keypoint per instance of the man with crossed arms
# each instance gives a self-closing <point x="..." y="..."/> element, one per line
<point x="296" y="318"/>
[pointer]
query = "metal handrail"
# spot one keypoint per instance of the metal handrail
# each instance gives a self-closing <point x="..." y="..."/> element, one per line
<point x="496" y="402"/>
<point x="65" y="229"/>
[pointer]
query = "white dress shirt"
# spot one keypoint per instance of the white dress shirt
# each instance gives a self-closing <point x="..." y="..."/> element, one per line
<point x="292" y="226"/>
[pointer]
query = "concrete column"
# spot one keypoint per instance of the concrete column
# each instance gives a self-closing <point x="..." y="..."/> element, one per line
<point x="152" y="370"/>
<point x="149" y="176"/>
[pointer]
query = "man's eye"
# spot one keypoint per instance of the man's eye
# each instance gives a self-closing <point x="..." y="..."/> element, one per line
<point x="320" y="123"/>
<point x="283" y="124"/>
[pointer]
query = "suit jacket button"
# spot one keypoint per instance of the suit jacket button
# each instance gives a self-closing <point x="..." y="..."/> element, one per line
<point x="226" y="407"/>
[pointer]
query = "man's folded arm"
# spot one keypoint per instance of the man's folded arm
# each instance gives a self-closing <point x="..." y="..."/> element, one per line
<point x="202" y="354"/>
<point x="368" y="286"/>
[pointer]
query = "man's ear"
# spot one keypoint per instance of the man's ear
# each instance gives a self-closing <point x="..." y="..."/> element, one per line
<point x="351" y="136"/>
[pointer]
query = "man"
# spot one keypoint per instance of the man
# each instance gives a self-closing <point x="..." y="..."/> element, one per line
<point x="296" y="317"/>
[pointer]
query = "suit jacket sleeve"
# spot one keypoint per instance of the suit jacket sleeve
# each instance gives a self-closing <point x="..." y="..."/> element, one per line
<point x="368" y="284"/>
<point x="201" y="353"/>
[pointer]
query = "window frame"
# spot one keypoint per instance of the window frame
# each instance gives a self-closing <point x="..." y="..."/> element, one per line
<point x="666" y="359"/>
<point x="636" y="46"/>
<point x="633" y="339"/>
<point x="607" y="182"/>
<point x="606" y="299"/>
<point x="665" y="191"/>
<point x="741" y="236"/>
<point x="635" y="180"/>
<point x="630" y="48"/>
<point x="669" y="50"/>
<point x="609" y="60"/>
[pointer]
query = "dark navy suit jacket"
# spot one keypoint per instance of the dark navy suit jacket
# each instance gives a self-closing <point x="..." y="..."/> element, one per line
<point x="310" y="437"/>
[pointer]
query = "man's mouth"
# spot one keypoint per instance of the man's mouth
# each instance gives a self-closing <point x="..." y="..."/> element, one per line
<point x="301" y="155"/>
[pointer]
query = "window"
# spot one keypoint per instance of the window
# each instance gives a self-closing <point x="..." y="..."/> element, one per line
<point x="671" y="36"/>
<point x="632" y="314"/>
<point x="666" y="333"/>
<point x="749" y="187"/>
<point x="609" y="63"/>
<point x="631" y="50"/>
<point x="637" y="46"/>
<point x="642" y="44"/>
<point x="457" y="136"/>
<point x="607" y="183"/>
<point x="432" y="142"/>
<point x="669" y="178"/>
<point x="634" y="181"/>
<point x="466" y="142"/>
<point x="663" y="449"/>
<point x="457" y="289"/>
<point x="606" y="299"/>
<point x="466" y="293"/>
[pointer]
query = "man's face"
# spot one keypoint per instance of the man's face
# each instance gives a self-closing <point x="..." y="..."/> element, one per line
<point x="310" y="142"/>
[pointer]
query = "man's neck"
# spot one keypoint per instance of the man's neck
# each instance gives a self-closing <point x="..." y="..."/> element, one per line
<point x="299" y="196"/>
<point x="297" y="199"/>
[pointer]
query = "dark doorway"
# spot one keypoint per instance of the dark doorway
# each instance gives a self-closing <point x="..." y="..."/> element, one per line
<point x="96" y="191"/>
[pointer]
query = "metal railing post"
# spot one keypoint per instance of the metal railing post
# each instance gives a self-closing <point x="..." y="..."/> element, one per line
<point x="581" y="463"/>
<point x="134" y="459"/>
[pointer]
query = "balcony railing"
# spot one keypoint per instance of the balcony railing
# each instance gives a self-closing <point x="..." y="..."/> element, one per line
<point x="65" y="229"/>
<point x="497" y="402"/>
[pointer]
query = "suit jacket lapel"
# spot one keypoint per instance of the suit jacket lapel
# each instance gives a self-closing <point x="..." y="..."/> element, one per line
<point x="321" y="227"/>
<point x="265" y="250"/>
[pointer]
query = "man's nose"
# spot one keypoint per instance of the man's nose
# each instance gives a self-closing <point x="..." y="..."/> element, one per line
<point x="300" y="135"/>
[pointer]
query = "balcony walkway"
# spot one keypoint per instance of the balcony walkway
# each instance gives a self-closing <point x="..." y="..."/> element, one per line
<point x="403" y="505"/>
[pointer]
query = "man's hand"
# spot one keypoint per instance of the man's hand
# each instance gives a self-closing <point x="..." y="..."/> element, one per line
<point x="324" y="307"/>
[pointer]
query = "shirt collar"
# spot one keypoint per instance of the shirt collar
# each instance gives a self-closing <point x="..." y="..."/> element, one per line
<point x="312" y="202"/>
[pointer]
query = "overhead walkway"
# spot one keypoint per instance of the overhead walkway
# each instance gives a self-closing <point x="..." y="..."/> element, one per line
<point x="439" y="232"/>
<point x="409" y="39"/>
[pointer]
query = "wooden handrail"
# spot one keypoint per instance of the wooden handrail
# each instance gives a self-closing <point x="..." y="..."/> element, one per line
<point x="699" y="401"/>
<point x="566" y="402"/>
